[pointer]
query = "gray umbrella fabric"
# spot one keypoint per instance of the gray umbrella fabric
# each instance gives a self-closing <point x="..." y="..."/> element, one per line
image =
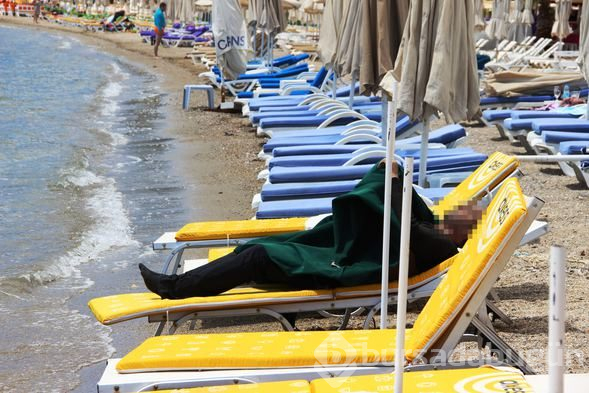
<point x="436" y="65"/>
<point x="527" y="18"/>
<point x="348" y="51"/>
<point x="479" y="20"/>
<point x="230" y="33"/>
<point x="333" y="14"/>
<point x="561" y="28"/>
<point x="272" y="19"/>
<point x="383" y="22"/>
<point x="516" y="24"/>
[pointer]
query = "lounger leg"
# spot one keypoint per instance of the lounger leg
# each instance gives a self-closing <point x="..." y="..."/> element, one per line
<point x="501" y="348"/>
<point x="497" y="313"/>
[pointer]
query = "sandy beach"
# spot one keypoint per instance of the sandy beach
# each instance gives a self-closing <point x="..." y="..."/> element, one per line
<point x="215" y="154"/>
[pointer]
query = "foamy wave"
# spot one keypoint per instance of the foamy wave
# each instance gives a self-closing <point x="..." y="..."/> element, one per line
<point x="65" y="45"/>
<point x="111" y="229"/>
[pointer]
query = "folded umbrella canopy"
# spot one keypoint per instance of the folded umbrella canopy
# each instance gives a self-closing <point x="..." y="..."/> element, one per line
<point x="333" y="14"/>
<point x="437" y="71"/>
<point x="348" y="50"/>
<point x="479" y="20"/>
<point x="382" y="29"/>
<point x="527" y="18"/>
<point x="561" y="28"/>
<point x="230" y="33"/>
<point x="516" y="24"/>
<point x="436" y="65"/>
<point x="498" y="26"/>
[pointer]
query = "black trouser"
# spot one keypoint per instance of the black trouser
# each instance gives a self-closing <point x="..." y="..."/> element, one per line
<point x="218" y="276"/>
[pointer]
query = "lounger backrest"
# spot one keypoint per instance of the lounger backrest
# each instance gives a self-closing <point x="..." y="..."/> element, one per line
<point x="319" y="77"/>
<point x="499" y="222"/>
<point x="492" y="172"/>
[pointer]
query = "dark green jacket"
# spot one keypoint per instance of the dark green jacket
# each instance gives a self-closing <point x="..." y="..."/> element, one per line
<point x="344" y="249"/>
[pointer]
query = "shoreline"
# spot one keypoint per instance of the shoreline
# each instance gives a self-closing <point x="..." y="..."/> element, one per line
<point x="213" y="153"/>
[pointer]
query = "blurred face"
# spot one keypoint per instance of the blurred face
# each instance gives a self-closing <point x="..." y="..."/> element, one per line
<point x="459" y="223"/>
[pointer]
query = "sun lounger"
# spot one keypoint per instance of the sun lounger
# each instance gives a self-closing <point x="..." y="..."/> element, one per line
<point x="496" y="117"/>
<point x="486" y="178"/>
<point x="343" y="117"/>
<point x="452" y="307"/>
<point x="351" y="172"/>
<point x="449" y="136"/>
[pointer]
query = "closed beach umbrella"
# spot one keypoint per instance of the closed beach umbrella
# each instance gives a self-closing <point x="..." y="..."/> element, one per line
<point x="561" y="28"/>
<point x="382" y="29"/>
<point x="186" y="11"/>
<point x="583" y="59"/>
<point x="333" y="14"/>
<point x="516" y="26"/>
<point x="527" y="18"/>
<point x="497" y="27"/>
<point x="348" y="52"/>
<point x="479" y="20"/>
<point x="272" y="18"/>
<point x="436" y="65"/>
<point x="230" y="34"/>
<point x="437" y="71"/>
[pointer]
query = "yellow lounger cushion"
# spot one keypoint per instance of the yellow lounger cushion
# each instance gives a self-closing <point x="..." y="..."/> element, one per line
<point x="487" y="176"/>
<point x="118" y="308"/>
<point x="216" y="253"/>
<point x="266" y="387"/>
<point x="475" y="380"/>
<point x="238" y="229"/>
<point x="471" y="380"/>
<point x="261" y="350"/>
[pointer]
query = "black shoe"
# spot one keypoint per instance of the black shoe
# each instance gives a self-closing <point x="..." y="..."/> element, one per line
<point x="160" y="284"/>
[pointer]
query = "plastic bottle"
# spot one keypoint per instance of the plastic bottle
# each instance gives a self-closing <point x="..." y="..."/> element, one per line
<point x="566" y="92"/>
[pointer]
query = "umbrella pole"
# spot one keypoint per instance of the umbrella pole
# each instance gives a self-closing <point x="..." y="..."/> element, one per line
<point x="352" y="90"/>
<point x="389" y="137"/>
<point x="556" y="327"/>
<point x="334" y="86"/>
<point x="403" y="273"/>
<point x="423" y="153"/>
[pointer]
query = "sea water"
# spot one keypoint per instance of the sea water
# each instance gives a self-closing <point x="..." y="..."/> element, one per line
<point x="86" y="182"/>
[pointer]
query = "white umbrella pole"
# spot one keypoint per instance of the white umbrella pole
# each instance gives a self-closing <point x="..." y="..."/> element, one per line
<point x="556" y="328"/>
<point x="423" y="154"/>
<point x="389" y="136"/>
<point x="403" y="274"/>
<point x="352" y="90"/>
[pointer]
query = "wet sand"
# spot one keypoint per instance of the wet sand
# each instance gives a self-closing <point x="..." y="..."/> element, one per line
<point x="216" y="153"/>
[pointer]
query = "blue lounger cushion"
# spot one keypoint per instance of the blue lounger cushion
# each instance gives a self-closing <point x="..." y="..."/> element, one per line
<point x="513" y="100"/>
<point x="573" y="147"/>
<point x="259" y="116"/>
<point x="444" y="135"/>
<point x="272" y="192"/>
<point x="294" y="208"/>
<point x="330" y="173"/>
<point x="403" y="125"/>
<point x="517" y="124"/>
<point x="555" y="137"/>
<point x="315" y="206"/>
<point x="571" y="125"/>
<point x="313" y="121"/>
<point x="502" y="114"/>
<point x="340" y="159"/>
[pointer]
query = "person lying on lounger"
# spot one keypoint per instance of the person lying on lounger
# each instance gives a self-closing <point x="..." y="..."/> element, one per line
<point x="344" y="249"/>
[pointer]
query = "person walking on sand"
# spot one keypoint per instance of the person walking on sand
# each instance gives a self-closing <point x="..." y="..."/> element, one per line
<point x="159" y="21"/>
<point x="37" y="12"/>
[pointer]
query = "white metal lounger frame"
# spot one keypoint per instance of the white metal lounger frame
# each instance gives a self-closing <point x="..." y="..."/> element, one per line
<point x="438" y="351"/>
